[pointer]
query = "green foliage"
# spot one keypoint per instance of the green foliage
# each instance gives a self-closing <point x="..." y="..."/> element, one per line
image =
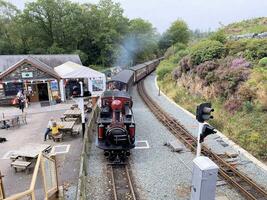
<point x="164" y="69"/>
<point x="206" y="50"/>
<point x="263" y="62"/>
<point x="62" y="26"/>
<point x="257" y="25"/>
<point x="177" y="33"/>
<point x="219" y="36"/>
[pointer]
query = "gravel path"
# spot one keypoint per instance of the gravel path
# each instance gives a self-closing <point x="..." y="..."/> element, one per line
<point x="159" y="172"/>
<point x="214" y="141"/>
<point x="97" y="186"/>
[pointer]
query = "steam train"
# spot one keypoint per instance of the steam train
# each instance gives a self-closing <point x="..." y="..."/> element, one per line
<point x="116" y="125"/>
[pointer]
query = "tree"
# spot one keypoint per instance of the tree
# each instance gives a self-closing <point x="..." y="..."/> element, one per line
<point x="177" y="32"/>
<point x="139" y="44"/>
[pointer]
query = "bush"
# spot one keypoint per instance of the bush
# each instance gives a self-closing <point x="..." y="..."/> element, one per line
<point x="206" y="71"/>
<point x="185" y="64"/>
<point x="164" y="68"/>
<point x="232" y="105"/>
<point x="240" y="62"/>
<point x="263" y="62"/>
<point x="206" y="50"/>
<point x="256" y="49"/>
<point x="218" y="36"/>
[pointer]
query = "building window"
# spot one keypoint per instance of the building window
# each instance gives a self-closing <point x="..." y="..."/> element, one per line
<point x="12" y="89"/>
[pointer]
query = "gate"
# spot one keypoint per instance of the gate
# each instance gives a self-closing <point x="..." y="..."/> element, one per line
<point x="2" y="193"/>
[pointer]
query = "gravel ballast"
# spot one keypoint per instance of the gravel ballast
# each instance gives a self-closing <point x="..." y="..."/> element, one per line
<point x="213" y="141"/>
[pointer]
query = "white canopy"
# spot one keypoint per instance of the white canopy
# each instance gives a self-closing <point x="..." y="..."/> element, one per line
<point x="74" y="70"/>
<point x="96" y="81"/>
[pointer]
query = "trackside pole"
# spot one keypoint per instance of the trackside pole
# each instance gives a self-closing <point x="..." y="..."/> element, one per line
<point x="81" y="100"/>
<point x="200" y="127"/>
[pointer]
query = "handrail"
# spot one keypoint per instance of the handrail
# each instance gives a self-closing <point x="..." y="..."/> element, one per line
<point x="81" y="188"/>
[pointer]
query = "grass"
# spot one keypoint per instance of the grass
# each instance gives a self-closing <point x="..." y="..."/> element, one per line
<point x="257" y="25"/>
<point x="246" y="128"/>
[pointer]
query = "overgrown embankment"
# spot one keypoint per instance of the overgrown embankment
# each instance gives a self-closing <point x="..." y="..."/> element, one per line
<point x="232" y="75"/>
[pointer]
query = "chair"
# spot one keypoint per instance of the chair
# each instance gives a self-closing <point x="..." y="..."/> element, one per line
<point x="15" y="122"/>
<point x="23" y="118"/>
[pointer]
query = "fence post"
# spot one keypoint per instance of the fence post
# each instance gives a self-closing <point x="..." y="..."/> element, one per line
<point x="2" y="192"/>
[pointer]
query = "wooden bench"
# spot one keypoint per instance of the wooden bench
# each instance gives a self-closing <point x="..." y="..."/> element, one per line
<point x="76" y="130"/>
<point x="57" y="138"/>
<point x="67" y="119"/>
<point x="14" y="157"/>
<point x="19" y="164"/>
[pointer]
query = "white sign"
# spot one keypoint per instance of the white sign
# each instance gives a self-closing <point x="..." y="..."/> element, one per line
<point x="26" y="74"/>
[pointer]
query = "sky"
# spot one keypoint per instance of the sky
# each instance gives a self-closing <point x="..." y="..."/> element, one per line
<point x="198" y="14"/>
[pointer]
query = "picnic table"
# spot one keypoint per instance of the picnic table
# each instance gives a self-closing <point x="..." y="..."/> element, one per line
<point x="11" y="119"/>
<point x="66" y="126"/>
<point x="31" y="150"/>
<point x="72" y="113"/>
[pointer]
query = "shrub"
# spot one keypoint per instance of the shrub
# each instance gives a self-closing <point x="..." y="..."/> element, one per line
<point x="263" y="62"/>
<point x="232" y="105"/>
<point x="164" y="68"/>
<point x="218" y="36"/>
<point x="240" y="62"/>
<point x="256" y="49"/>
<point x="246" y="93"/>
<point x="205" y="71"/>
<point x="206" y="50"/>
<point x="177" y="73"/>
<point x="185" y="64"/>
<point x="235" y="47"/>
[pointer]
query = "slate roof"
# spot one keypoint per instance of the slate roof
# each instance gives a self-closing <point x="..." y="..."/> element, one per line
<point x="123" y="76"/>
<point x="113" y="93"/>
<point x="29" y="59"/>
<point x="52" y="61"/>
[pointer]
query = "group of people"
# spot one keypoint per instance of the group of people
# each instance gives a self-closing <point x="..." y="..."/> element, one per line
<point x="53" y="127"/>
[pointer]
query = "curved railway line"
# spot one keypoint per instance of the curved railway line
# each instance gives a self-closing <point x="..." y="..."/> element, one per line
<point x="247" y="187"/>
<point x="121" y="182"/>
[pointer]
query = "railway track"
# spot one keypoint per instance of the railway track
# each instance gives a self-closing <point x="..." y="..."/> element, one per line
<point x="121" y="182"/>
<point x="247" y="187"/>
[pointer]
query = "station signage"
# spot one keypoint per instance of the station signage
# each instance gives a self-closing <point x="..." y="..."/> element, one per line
<point x="27" y="74"/>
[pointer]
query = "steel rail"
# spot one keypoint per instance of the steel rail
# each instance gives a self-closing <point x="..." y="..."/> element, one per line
<point x="118" y="182"/>
<point x="240" y="181"/>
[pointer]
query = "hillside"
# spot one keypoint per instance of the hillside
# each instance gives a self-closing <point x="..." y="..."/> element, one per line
<point x="232" y="75"/>
<point x="257" y="25"/>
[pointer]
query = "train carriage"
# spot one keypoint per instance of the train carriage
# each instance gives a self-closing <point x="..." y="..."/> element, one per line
<point x="140" y="71"/>
<point x="122" y="81"/>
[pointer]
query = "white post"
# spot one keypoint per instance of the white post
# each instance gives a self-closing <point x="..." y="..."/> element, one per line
<point x="62" y="90"/>
<point x="200" y="127"/>
<point x="81" y="105"/>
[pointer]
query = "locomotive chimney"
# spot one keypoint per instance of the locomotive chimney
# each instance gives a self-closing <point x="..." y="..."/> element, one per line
<point x="116" y="106"/>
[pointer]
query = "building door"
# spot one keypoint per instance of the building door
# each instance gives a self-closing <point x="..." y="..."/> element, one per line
<point x="43" y="92"/>
<point x="33" y="92"/>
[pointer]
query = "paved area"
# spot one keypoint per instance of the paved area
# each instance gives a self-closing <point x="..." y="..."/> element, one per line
<point x="33" y="132"/>
<point x="216" y="142"/>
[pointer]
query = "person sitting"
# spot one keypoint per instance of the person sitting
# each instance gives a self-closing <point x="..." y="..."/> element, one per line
<point x="48" y="128"/>
<point x="55" y="129"/>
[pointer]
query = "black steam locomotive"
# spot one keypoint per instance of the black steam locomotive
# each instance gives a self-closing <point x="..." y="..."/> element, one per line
<point x="116" y="125"/>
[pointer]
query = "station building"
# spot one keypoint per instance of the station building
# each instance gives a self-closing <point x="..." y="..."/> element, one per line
<point x="36" y="75"/>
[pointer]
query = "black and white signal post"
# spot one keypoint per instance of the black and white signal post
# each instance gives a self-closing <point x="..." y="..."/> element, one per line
<point x="203" y="114"/>
<point x="204" y="170"/>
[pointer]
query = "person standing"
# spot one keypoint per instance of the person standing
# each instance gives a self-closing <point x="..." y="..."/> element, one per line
<point x="21" y="100"/>
<point x="48" y="128"/>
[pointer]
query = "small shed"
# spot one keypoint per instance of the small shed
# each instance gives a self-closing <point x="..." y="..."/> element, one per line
<point x="94" y="81"/>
